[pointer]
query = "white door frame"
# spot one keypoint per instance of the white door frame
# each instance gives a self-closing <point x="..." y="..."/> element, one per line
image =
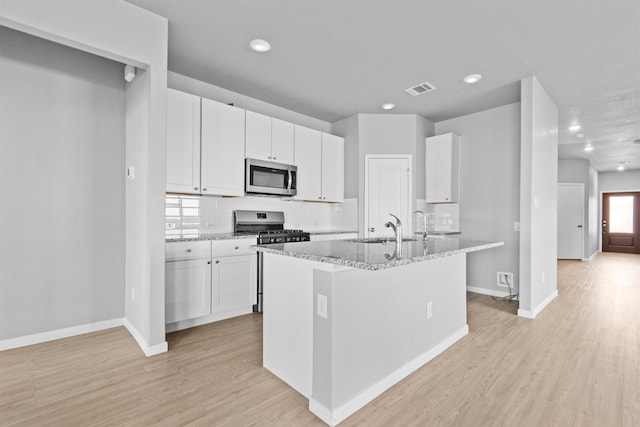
<point x="409" y="157"/>
<point x="585" y="227"/>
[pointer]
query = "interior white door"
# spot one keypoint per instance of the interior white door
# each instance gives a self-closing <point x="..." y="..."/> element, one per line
<point x="388" y="189"/>
<point x="570" y="221"/>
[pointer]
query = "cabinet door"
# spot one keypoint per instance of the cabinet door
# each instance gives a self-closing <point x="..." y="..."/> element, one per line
<point x="183" y="142"/>
<point x="233" y="282"/>
<point x="442" y="168"/>
<point x="282" y="141"/>
<point x="187" y="289"/>
<point x="308" y="152"/>
<point x="258" y="136"/>
<point x="332" y="168"/>
<point x="222" y="149"/>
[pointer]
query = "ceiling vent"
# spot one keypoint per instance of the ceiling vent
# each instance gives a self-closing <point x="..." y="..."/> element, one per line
<point x="420" y="89"/>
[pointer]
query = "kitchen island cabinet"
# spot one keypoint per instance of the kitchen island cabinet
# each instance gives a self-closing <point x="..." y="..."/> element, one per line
<point x="345" y="320"/>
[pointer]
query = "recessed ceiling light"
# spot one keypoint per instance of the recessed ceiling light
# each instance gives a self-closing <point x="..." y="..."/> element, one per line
<point x="580" y="135"/>
<point x="588" y="148"/>
<point x="388" y="106"/>
<point x="472" y="78"/>
<point x="260" y="45"/>
<point x="574" y="128"/>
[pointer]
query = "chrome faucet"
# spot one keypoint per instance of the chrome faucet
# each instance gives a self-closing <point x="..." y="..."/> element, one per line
<point x="397" y="228"/>
<point x="424" y="224"/>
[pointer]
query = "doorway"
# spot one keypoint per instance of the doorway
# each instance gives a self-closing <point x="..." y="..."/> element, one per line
<point x="621" y="222"/>
<point x="387" y="190"/>
<point x="570" y="221"/>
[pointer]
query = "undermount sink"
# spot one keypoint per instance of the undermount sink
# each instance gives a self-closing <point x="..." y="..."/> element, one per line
<point x="379" y="240"/>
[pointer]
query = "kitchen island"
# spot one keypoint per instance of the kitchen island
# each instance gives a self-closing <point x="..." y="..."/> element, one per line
<point x="344" y="320"/>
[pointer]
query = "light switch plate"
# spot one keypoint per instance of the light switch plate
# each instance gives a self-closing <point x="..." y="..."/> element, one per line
<point x="322" y="305"/>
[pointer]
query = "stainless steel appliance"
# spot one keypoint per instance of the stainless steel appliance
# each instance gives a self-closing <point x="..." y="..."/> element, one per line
<point x="270" y="178"/>
<point x="269" y="226"/>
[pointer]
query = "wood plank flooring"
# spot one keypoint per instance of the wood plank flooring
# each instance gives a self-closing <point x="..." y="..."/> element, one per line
<point x="577" y="364"/>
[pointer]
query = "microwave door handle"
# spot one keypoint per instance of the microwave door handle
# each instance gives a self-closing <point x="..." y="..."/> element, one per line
<point x="289" y="179"/>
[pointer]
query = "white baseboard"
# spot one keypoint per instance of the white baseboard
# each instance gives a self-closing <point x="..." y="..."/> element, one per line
<point x="531" y="314"/>
<point x="59" y="333"/>
<point x="341" y="413"/>
<point x="149" y="350"/>
<point x="491" y="292"/>
<point x="190" y="323"/>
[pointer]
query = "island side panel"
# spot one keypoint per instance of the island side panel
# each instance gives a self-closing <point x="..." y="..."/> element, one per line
<point x="288" y="320"/>
<point x="379" y="329"/>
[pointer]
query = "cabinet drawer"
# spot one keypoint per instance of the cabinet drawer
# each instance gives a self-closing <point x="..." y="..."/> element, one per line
<point x="187" y="250"/>
<point x="232" y="247"/>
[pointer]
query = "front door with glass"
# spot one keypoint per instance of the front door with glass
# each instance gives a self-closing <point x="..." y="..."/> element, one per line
<point x="621" y="222"/>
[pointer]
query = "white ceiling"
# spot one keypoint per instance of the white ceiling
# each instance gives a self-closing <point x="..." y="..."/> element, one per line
<point x="334" y="58"/>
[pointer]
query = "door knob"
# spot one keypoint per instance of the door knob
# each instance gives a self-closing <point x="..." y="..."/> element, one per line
<point x="372" y="229"/>
<point x="580" y="226"/>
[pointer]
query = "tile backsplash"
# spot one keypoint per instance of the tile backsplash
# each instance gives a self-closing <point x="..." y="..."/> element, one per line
<point x="187" y="215"/>
<point x="440" y="216"/>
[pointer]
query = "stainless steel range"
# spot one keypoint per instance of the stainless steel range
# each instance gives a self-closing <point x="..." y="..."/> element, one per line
<point x="269" y="226"/>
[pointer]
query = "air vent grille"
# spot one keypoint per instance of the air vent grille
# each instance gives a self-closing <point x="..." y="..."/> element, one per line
<point x="420" y="89"/>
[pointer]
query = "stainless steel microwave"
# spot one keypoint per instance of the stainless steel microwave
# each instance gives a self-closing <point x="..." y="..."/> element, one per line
<point x="270" y="178"/>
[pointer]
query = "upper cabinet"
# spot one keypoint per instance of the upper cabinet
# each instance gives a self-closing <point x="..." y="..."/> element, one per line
<point x="320" y="160"/>
<point x="332" y="168"/>
<point x="442" y="168"/>
<point x="183" y="142"/>
<point x="222" y="170"/>
<point x="268" y="138"/>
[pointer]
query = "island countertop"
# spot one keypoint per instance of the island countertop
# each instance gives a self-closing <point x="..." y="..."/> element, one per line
<point x="376" y="256"/>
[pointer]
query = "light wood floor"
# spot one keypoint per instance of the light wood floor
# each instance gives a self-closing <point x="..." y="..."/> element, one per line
<point x="577" y="364"/>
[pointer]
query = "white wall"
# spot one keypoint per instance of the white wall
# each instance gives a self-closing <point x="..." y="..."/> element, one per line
<point x="129" y="34"/>
<point x="62" y="115"/>
<point x="581" y="171"/>
<point x="206" y="90"/>
<point x="628" y="180"/>
<point x="538" y="198"/>
<point x="489" y="189"/>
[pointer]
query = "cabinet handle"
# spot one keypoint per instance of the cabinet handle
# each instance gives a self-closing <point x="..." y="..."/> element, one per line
<point x="188" y="250"/>
<point x="195" y="188"/>
<point x="217" y="261"/>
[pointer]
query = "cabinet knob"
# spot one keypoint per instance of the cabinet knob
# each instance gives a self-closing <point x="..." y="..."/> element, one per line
<point x="188" y="250"/>
<point x="217" y="261"/>
<point x="324" y="198"/>
<point x="319" y="197"/>
<point x="209" y="262"/>
<point x="204" y="189"/>
<point x="268" y="157"/>
<point x="237" y="247"/>
<point x="195" y="188"/>
<point x="372" y="229"/>
<point x="274" y="158"/>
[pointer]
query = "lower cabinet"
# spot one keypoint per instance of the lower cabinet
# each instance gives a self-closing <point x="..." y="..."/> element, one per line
<point x="207" y="281"/>
<point x="233" y="282"/>
<point x="187" y="289"/>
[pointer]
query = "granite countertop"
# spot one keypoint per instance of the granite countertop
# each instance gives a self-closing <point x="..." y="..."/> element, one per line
<point x="320" y="232"/>
<point x="207" y="236"/>
<point x="376" y="256"/>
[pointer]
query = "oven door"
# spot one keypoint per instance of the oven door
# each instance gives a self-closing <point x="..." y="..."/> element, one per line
<point x="271" y="178"/>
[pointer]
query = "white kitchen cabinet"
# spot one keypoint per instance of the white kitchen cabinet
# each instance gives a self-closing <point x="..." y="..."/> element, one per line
<point x="268" y="138"/>
<point x="233" y="282"/>
<point x="222" y="139"/>
<point x="442" y="168"/>
<point x="308" y="158"/>
<point x="187" y="280"/>
<point x="320" y="160"/>
<point x="332" y="168"/>
<point x="183" y="142"/>
<point x="282" y="145"/>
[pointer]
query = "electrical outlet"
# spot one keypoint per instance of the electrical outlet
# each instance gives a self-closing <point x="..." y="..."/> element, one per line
<point x="429" y="310"/>
<point x="516" y="226"/>
<point x="505" y="280"/>
<point x="322" y="306"/>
